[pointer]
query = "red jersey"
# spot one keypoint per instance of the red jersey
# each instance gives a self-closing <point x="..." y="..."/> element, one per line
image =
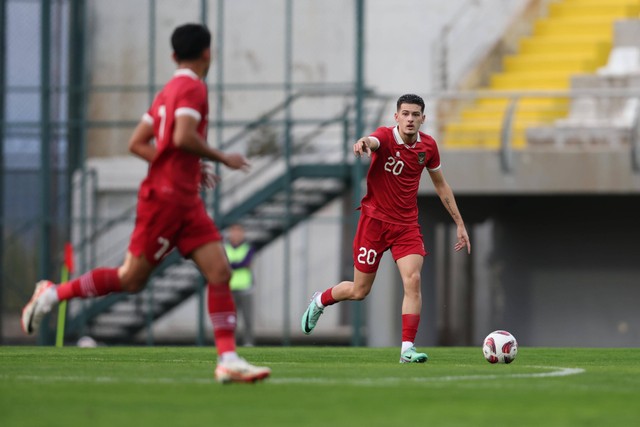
<point x="394" y="175"/>
<point x="174" y="173"/>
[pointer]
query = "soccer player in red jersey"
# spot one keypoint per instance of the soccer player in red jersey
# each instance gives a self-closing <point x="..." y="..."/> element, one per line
<point x="389" y="218"/>
<point x="170" y="212"/>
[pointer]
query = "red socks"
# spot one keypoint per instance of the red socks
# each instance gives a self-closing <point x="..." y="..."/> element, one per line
<point x="98" y="282"/>
<point x="326" y="298"/>
<point x="222" y="311"/>
<point x="410" y="324"/>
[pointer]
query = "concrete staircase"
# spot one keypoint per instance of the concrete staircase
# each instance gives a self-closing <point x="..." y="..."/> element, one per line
<point x="574" y="38"/>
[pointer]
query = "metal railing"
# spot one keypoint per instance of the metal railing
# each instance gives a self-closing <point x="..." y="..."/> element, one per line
<point x="612" y="116"/>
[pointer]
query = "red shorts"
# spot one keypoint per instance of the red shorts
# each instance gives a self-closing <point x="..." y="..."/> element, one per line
<point x="162" y="225"/>
<point x="374" y="237"/>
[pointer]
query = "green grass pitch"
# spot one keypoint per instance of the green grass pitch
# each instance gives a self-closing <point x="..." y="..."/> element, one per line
<point x="318" y="386"/>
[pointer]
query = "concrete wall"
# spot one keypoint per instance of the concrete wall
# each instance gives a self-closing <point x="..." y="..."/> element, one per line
<point x="569" y="270"/>
<point x="399" y="52"/>
<point x="554" y="270"/>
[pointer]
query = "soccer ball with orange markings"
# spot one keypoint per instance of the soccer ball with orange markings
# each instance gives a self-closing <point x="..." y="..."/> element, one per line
<point x="500" y="347"/>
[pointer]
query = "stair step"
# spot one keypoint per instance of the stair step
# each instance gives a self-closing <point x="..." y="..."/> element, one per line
<point x="566" y="45"/>
<point x="535" y="114"/>
<point x="530" y="81"/>
<point x="485" y="141"/>
<point x="556" y="63"/>
<point x="524" y="102"/>
<point x="597" y="2"/>
<point x="117" y="321"/>
<point x="547" y="28"/>
<point x="611" y="8"/>
<point x="486" y="126"/>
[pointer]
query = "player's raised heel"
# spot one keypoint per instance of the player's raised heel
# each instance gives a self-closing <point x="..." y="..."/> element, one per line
<point x="240" y="371"/>
<point x="412" y="356"/>
<point x="311" y="315"/>
<point x="35" y="310"/>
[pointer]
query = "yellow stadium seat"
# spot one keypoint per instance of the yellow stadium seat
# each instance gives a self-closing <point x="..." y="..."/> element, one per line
<point x="575" y="37"/>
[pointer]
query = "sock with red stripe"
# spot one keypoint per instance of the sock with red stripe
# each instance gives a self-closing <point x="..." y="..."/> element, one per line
<point x="222" y="312"/>
<point x="98" y="282"/>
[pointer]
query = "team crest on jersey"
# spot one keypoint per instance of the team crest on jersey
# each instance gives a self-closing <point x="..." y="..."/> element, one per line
<point x="421" y="157"/>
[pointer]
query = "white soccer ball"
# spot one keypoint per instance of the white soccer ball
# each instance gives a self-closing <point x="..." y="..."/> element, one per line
<point x="500" y="347"/>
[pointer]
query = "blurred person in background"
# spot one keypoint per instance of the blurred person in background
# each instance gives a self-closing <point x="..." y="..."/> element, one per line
<point x="389" y="218"/>
<point x="240" y="254"/>
<point x="171" y="136"/>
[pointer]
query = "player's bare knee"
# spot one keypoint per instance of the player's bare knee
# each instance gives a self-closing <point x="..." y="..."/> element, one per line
<point x="412" y="281"/>
<point x="134" y="284"/>
<point x="358" y="294"/>
<point x="415" y="277"/>
<point x="221" y="274"/>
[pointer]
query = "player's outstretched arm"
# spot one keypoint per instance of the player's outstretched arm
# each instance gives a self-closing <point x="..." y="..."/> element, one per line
<point x="186" y="137"/>
<point x="140" y="141"/>
<point x="448" y="200"/>
<point x="365" y="145"/>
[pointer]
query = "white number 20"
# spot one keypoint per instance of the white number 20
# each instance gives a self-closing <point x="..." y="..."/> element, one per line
<point x="367" y="256"/>
<point x="394" y="166"/>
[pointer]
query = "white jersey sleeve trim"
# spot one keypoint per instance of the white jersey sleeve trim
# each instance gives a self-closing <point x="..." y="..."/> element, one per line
<point x="436" y="168"/>
<point x="146" y="117"/>
<point x="186" y="111"/>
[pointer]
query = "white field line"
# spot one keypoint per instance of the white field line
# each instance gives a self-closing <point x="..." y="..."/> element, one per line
<point x="377" y="381"/>
<point x="555" y="372"/>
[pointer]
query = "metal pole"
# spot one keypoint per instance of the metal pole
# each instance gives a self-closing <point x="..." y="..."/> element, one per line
<point x="3" y="50"/>
<point x="201" y="282"/>
<point x="635" y="140"/>
<point x="45" y="153"/>
<point x="75" y="140"/>
<point x="288" y="34"/>
<point x="77" y="83"/>
<point x="356" y="338"/>
<point x="151" y="83"/>
<point x="506" y="135"/>
<point x="219" y="66"/>
<point x="204" y="11"/>
<point x="219" y="100"/>
<point x="77" y="145"/>
<point x="152" y="89"/>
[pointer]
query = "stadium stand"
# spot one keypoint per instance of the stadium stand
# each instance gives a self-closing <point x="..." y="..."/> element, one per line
<point x="601" y="111"/>
<point x="574" y="39"/>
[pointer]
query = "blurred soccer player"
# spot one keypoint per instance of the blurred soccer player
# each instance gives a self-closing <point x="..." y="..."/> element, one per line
<point x="389" y="218"/>
<point x="170" y="212"/>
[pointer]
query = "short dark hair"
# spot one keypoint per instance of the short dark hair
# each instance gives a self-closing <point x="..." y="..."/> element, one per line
<point x="410" y="98"/>
<point x="189" y="41"/>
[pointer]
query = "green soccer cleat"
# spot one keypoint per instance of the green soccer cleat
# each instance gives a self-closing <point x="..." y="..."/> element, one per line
<point x="412" y="356"/>
<point x="311" y="315"/>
